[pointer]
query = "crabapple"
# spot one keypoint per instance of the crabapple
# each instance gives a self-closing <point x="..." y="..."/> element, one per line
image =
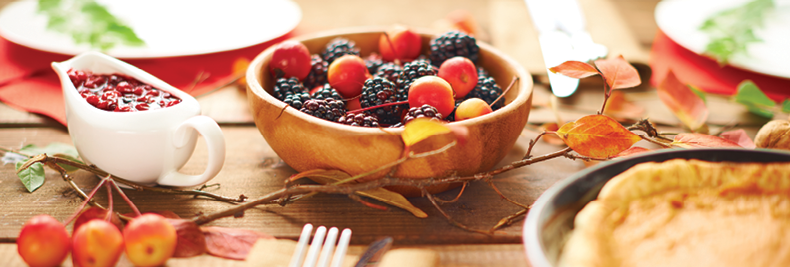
<point x="96" y="243"/>
<point x="471" y="108"/>
<point x="461" y="73"/>
<point x="290" y="59"/>
<point x="150" y="240"/>
<point x="347" y="74"/>
<point x="43" y="241"/>
<point x="406" y="42"/>
<point x="434" y="91"/>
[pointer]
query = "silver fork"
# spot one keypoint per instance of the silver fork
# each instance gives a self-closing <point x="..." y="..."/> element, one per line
<point x="324" y="242"/>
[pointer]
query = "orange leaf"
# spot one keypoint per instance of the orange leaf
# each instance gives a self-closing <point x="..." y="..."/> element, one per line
<point x="551" y="139"/>
<point x="575" y="69"/>
<point x="617" y="106"/>
<point x="618" y="72"/>
<point x="632" y="151"/>
<point x="597" y="136"/>
<point x="190" y="239"/>
<point x="684" y="103"/>
<point x="739" y="137"/>
<point x="230" y="243"/>
<point x="694" y="140"/>
<point x="334" y="175"/>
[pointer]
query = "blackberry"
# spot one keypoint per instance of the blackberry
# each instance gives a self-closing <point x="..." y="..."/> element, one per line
<point x="327" y="92"/>
<point x="338" y="47"/>
<point x="296" y="100"/>
<point x="451" y="44"/>
<point x="318" y="70"/>
<point x="373" y="62"/>
<point x="425" y="111"/>
<point x="379" y="91"/>
<point x="481" y="72"/>
<point x="389" y="70"/>
<point x="329" y="109"/>
<point x="359" y="119"/>
<point x="412" y="71"/>
<point x="284" y="87"/>
<point x="488" y="90"/>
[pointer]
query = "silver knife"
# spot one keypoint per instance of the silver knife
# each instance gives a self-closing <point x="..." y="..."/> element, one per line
<point x="372" y="256"/>
<point x="562" y="37"/>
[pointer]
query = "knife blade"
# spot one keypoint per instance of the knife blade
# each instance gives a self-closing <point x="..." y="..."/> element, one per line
<point x="372" y="256"/>
<point x="562" y="37"/>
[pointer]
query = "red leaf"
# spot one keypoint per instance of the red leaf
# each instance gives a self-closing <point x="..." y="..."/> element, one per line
<point x="597" y="136"/>
<point x="694" y="140"/>
<point x="231" y="243"/>
<point x="739" y="137"/>
<point x="575" y="69"/>
<point x="684" y="103"/>
<point x="191" y="241"/>
<point x="632" y="151"/>
<point x="96" y="213"/>
<point x="618" y="72"/>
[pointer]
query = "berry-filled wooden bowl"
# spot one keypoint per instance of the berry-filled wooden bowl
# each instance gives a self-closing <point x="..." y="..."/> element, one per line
<point x="306" y="142"/>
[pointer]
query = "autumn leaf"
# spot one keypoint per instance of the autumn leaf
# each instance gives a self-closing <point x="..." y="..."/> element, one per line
<point x="695" y="140"/>
<point x="575" y="69"/>
<point x="597" y="136"/>
<point x="739" y="137"/>
<point x="687" y="106"/>
<point x="230" y="243"/>
<point x="619" y="107"/>
<point x="380" y="194"/>
<point x="422" y="128"/>
<point x="190" y="239"/>
<point x="618" y="73"/>
<point x="632" y="151"/>
<point x="551" y="139"/>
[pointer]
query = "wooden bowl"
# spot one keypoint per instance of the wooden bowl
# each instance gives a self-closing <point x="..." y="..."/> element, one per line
<point x="305" y="142"/>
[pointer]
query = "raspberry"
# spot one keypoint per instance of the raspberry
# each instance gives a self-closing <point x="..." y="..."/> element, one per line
<point x="451" y="44"/>
<point x="378" y="91"/>
<point x="284" y="87"/>
<point x="359" y="119"/>
<point x="412" y="71"/>
<point x="329" y="109"/>
<point x="424" y="111"/>
<point x="317" y="75"/>
<point x="338" y="47"/>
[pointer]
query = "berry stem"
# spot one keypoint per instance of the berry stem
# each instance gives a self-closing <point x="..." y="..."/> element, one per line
<point x="109" y="201"/>
<point x="378" y="106"/>
<point x="125" y="198"/>
<point x="82" y="206"/>
<point x="512" y="82"/>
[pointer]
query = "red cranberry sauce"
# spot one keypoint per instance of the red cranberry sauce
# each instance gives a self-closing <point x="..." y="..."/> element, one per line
<point x="120" y="93"/>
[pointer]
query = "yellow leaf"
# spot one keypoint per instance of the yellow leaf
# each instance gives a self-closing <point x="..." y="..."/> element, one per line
<point x="420" y="129"/>
<point x="597" y="136"/>
<point x="380" y="194"/>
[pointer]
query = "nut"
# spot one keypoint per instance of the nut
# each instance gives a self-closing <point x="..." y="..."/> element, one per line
<point x="774" y="134"/>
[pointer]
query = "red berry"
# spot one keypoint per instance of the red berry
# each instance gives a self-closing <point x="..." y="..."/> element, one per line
<point x="434" y="91"/>
<point x="43" y="241"/>
<point x="347" y="74"/>
<point x="461" y="73"/>
<point x="471" y="108"/>
<point x="290" y="59"/>
<point x="407" y="44"/>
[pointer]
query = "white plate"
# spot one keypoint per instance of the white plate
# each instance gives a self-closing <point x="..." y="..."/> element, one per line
<point x="169" y="27"/>
<point x="680" y="21"/>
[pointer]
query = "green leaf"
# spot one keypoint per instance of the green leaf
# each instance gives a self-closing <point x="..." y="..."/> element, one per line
<point x="754" y="99"/>
<point x="55" y="149"/>
<point x="32" y="177"/>
<point x="786" y="106"/>
<point x="732" y="30"/>
<point x="88" y="22"/>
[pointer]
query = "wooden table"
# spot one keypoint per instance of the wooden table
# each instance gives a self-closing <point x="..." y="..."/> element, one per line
<point x="253" y="169"/>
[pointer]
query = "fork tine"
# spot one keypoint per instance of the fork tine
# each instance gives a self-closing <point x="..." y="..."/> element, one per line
<point x="301" y="246"/>
<point x="315" y="247"/>
<point x="329" y="247"/>
<point x="342" y="246"/>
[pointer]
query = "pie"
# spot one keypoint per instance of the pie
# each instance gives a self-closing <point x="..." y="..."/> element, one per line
<point x="686" y="213"/>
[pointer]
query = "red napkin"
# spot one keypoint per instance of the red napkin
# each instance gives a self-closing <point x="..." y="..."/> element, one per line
<point x="28" y="82"/>
<point x="705" y="73"/>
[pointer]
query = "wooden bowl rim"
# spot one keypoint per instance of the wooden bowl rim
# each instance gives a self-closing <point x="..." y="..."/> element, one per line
<point x="524" y="85"/>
